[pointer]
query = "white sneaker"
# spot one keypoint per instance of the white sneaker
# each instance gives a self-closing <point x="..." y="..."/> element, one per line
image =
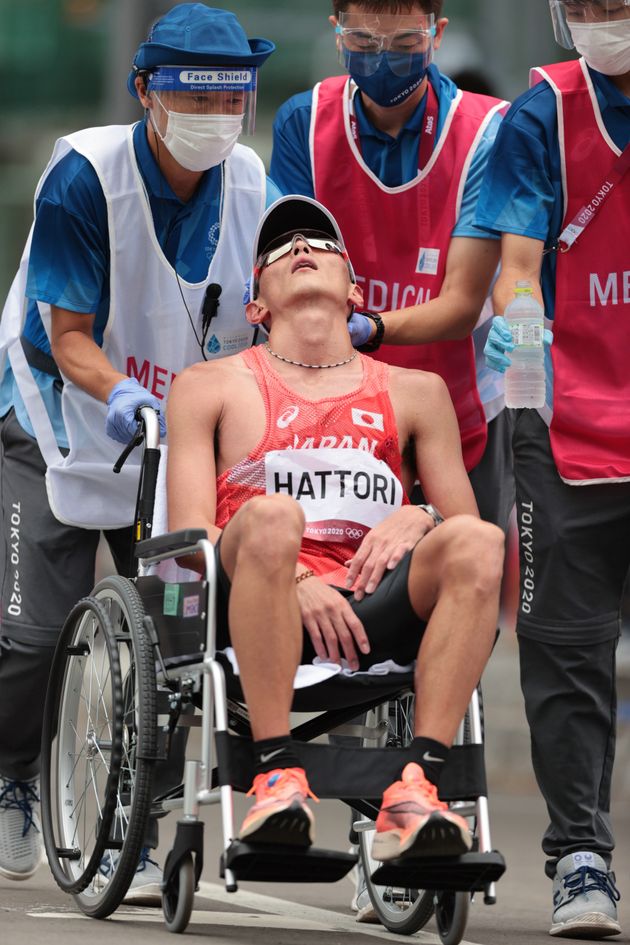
<point x="21" y="847"/>
<point x="146" y="886"/>
<point x="584" y="898"/>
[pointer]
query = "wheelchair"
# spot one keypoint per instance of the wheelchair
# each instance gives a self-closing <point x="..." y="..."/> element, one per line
<point x="135" y="660"/>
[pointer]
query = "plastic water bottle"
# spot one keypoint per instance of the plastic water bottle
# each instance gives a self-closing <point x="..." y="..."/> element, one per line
<point x="525" y="378"/>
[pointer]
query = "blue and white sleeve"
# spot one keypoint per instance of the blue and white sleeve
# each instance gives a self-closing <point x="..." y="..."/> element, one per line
<point x="291" y="156"/>
<point x="466" y="224"/>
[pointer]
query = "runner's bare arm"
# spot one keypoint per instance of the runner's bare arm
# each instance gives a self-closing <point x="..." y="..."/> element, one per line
<point x="470" y="266"/>
<point x="194" y="409"/>
<point x="434" y="434"/>
<point x="521" y="260"/>
<point x="427" y="422"/>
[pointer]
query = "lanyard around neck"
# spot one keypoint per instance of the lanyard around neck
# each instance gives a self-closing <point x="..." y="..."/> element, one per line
<point x="587" y="214"/>
<point x="428" y="133"/>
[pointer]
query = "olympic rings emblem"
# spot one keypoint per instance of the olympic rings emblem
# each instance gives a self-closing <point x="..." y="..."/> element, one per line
<point x="354" y="533"/>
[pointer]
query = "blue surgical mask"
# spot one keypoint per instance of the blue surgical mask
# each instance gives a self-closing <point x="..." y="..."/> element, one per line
<point x="379" y="76"/>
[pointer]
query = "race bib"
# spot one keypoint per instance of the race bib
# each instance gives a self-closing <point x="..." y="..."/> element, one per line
<point x="343" y="492"/>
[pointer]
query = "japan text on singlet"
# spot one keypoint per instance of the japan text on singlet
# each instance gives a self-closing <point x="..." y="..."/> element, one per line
<point x="338" y="457"/>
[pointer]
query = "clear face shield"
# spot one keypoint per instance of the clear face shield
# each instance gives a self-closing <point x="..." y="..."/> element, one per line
<point x="220" y="91"/>
<point x="403" y="41"/>
<point x="575" y="19"/>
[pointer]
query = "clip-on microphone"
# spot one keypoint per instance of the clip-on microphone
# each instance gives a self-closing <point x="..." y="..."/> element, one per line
<point x="209" y="307"/>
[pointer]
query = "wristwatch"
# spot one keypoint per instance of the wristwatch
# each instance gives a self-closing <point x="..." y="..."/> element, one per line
<point x="375" y="343"/>
<point x="433" y="512"/>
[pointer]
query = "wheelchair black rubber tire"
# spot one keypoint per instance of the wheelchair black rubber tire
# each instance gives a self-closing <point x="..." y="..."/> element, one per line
<point x="177" y="904"/>
<point x="410" y="920"/>
<point x="123" y="591"/>
<point x="54" y="695"/>
<point x="420" y="909"/>
<point x="451" y="915"/>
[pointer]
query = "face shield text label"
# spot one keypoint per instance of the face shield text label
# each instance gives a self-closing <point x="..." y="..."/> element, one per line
<point x="242" y="78"/>
<point x="177" y="79"/>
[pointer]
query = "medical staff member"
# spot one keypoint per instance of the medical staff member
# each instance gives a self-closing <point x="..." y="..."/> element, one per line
<point x="142" y="233"/>
<point x="397" y="152"/>
<point x="558" y="189"/>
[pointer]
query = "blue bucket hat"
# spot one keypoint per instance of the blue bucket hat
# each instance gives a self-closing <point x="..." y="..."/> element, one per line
<point x="192" y="34"/>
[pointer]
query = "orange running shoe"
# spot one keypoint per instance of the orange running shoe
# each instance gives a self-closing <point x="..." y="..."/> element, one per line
<point x="280" y="814"/>
<point x="413" y="821"/>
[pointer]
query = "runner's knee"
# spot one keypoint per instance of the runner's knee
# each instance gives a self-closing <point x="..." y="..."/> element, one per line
<point x="271" y="529"/>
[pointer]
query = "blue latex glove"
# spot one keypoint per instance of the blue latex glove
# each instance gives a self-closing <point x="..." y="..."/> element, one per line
<point x="500" y="340"/>
<point x="360" y="328"/>
<point x="126" y="397"/>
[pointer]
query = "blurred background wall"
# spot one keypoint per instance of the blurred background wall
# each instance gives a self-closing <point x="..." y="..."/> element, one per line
<point x="64" y="64"/>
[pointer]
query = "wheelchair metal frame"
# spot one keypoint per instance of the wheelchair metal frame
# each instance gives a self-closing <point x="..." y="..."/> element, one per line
<point x="204" y="672"/>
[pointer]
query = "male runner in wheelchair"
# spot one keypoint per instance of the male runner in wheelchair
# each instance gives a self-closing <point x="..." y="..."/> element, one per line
<point x="298" y="457"/>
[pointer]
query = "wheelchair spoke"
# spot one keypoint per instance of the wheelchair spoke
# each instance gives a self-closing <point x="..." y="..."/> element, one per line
<point x="100" y="741"/>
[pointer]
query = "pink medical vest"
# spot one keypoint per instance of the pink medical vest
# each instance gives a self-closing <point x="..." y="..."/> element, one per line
<point x="398" y="237"/>
<point x="590" y="427"/>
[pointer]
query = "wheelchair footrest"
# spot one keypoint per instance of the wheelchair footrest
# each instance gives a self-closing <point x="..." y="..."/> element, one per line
<point x="284" y="864"/>
<point x="470" y="872"/>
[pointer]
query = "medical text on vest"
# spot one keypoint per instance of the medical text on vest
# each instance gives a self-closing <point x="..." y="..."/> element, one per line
<point x="614" y="291"/>
<point x="154" y="378"/>
<point x="382" y="297"/>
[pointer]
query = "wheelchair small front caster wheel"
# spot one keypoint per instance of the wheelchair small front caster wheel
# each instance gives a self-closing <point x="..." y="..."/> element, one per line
<point x="451" y="915"/>
<point x="177" y="900"/>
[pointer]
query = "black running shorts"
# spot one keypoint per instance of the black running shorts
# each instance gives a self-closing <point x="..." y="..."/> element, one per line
<point x="393" y="628"/>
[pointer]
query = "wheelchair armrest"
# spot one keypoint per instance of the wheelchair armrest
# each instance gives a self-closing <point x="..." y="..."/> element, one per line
<point x="170" y="542"/>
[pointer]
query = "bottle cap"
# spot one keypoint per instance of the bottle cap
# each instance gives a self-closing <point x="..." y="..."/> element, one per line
<point x="523" y="288"/>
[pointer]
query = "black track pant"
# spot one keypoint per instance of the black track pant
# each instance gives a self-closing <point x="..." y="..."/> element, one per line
<point x="574" y="558"/>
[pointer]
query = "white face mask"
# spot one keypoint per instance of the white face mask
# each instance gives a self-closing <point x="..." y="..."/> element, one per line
<point x="605" y="46"/>
<point x="199" y="142"/>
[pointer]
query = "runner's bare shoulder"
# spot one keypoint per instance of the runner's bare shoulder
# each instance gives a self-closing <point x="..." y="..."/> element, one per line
<point x="421" y="401"/>
<point x="210" y="374"/>
<point x="208" y="386"/>
<point x="425" y="385"/>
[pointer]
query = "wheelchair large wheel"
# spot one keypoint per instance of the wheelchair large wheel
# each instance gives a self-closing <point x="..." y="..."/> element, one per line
<point x="99" y="747"/>
<point x="400" y="910"/>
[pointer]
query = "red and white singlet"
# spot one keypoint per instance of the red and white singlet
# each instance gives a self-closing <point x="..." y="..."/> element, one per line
<point x="338" y="457"/>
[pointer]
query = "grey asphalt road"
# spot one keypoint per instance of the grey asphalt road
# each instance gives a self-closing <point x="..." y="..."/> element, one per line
<point x="38" y="912"/>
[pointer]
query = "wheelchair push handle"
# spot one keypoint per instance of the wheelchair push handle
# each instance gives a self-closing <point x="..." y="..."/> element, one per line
<point x="147" y="432"/>
<point x="148" y="418"/>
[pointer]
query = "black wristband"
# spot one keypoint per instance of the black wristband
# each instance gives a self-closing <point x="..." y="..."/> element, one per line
<point x="375" y="343"/>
